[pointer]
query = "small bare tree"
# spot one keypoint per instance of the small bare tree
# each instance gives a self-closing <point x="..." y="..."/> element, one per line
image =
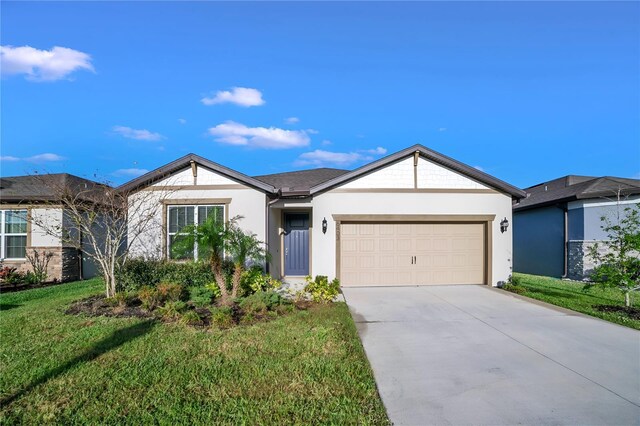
<point x="96" y="219"/>
<point x="40" y="264"/>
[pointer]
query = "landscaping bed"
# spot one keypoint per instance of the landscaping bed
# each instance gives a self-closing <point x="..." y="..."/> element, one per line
<point x="304" y="367"/>
<point x="604" y="303"/>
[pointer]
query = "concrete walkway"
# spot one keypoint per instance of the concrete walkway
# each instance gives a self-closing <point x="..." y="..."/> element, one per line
<point x="475" y="355"/>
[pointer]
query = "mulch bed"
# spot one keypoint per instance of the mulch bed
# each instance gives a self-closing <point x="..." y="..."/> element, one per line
<point x="96" y="306"/>
<point x="631" y="312"/>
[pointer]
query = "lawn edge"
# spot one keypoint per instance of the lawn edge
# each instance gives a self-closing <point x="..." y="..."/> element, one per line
<point x="562" y="309"/>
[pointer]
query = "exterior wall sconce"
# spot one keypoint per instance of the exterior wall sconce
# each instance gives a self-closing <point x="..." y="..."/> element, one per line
<point x="324" y="225"/>
<point x="504" y="225"/>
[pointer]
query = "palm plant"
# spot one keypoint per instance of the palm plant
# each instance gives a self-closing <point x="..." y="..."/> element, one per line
<point x="243" y="248"/>
<point x="212" y="238"/>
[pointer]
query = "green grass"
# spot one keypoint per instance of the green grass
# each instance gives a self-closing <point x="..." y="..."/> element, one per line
<point x="571" y="295"/>
<point x="308" y="367"/>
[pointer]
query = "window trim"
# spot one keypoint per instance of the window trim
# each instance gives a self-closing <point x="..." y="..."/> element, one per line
<point x="4" y="234"/>
<point x="188" y="203"/>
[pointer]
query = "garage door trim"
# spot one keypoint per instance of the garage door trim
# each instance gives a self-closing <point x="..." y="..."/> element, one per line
<point x="486" y="220"/>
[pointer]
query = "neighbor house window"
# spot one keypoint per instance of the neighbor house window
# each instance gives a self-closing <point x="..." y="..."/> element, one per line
<point x="13" y="235"/>
<point x="181" y="216"/>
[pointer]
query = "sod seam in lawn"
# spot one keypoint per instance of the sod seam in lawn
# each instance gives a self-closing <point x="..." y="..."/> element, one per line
<point x="308" y="367"/>
<point x="571" y="295"/>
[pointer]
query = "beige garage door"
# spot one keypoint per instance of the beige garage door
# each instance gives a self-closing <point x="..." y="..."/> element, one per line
<point x="411" y="254"/>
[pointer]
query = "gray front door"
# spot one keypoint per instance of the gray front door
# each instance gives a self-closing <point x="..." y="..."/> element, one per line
<point x="296" y="244"/>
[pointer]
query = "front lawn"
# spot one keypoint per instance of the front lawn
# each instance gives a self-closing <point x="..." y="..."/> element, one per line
<point x="307" y="367"/>
<point x="570" y="294"/>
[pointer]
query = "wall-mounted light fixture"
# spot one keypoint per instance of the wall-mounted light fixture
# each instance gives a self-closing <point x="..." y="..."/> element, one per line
<point x="324" y="225"/>
<point x="504" y="224"/>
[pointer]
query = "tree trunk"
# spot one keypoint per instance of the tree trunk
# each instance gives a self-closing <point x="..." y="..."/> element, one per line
<point x="218" y="274"/>
<point x="627" y="299"/>
<point x="237" y="277"/>
<point x="110" y="284"/>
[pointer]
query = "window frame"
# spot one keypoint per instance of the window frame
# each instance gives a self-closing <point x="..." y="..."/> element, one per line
<point x="4" y="234"/>
<point x="170" y="234"/>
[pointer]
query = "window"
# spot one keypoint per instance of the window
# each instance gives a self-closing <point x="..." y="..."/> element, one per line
<point x="181" y="216"/>
<point x="13" y="234"/>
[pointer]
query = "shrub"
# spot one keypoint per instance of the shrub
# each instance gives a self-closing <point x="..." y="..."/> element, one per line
<point x="170" y="292"/>
<point x="261" y="302"/>
<point x="124" y="298"/>
<point x="518" y="289"/>
<point x="172" y="310"/>
<point x="31" y="278"/>
<point x="255" y="280"/>
<point x="321" y="290"/>
<point x="11" y="275"/>
<point x="201" y="296"/>
<point x="222" y="317"/>
<point x="514" y="280"/>
<point x="191" y="318"/>
<point x="213" y="287"/>
<point x="137" y="273"/>
<point x="149" y="297"/>
<point x="6" y="271"/>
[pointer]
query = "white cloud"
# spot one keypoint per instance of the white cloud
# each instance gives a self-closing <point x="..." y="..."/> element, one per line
<point x="320" y="157"/>
<point x="233" y="133"/>
<point x="326" y="142"/>
<point x="243" y="96"/>
<point x="130" y="172"/>
<point x="39" y="158"/>
<point x="478" y="168"/>
<point x="141" y="135"/>
<point x="442" y="129"/>
<point x="43" y="65"/>
<point x="182" y="121"/>
<point x="43" y="158"/>
<point x="378" y="151"/>
<point x="292" y="120"/>
<point x="312" y="131"/>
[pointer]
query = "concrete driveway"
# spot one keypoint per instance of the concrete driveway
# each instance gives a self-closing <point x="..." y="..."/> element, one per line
<point x="475" y="355"/>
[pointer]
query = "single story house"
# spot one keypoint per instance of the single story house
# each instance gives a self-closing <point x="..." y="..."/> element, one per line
<point x="26" y="202"/>
<point x="415" y="217"/>
<point x="558" y="222"/>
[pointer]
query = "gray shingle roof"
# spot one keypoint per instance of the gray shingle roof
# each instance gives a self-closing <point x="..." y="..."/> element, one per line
<point x="35" y="188"/>
<point x="572" y="187"/>
<point x="301" y="180"/>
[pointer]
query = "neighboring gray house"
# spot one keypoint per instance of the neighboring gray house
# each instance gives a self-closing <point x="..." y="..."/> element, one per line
<point x="415" y="217"/>
<point x="557" y="223"/>
<point x="28" y="199"/>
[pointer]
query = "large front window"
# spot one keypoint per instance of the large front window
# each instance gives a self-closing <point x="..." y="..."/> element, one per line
<point x="185" y="215"/>
<point x="13" y="234"/>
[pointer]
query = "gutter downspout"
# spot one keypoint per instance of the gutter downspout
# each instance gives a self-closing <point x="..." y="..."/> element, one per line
<point x="566" y="241"/>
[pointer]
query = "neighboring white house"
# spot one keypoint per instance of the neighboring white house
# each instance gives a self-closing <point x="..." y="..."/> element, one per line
<point x="26" y="202"/>
<point x="415" y="217"/>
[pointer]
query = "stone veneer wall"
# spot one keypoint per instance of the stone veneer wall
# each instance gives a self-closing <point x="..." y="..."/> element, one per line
<point x="63" y="266"/>
<point x="579" y="262"/>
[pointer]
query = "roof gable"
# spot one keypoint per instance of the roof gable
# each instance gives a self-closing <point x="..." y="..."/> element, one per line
<point x="180" y="165"/>
<point x="469" y="176"/>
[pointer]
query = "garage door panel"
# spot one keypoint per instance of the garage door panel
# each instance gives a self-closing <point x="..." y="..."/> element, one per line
<point x="411" y="254"/>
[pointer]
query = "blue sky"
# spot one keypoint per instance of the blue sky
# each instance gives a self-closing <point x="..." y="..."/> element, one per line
<point x="525" y="91"/>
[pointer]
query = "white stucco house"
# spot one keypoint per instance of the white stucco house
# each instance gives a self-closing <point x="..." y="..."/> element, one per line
<point x="415" y="217"/>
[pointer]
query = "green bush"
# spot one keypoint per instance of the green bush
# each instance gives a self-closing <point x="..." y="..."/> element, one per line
<point x="137" y="273"/>
<point x="261" y="302"/>
<point x="149" y="297"/>
<point x="255" y="280"/>
<point x="191" y="318"/>
<point x="518" y="289"/>
<point x="124" y="298"/>
<point x="222" y="317"/>
<point x="171" y="292"/>
<point x="514" y="280"/>
<point x="201" y="297"/>
<point x="172" y="310"/>
<point x="321" y="290"/>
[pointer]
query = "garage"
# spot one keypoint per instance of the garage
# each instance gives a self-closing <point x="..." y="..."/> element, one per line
<point x="407" y="253"/>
